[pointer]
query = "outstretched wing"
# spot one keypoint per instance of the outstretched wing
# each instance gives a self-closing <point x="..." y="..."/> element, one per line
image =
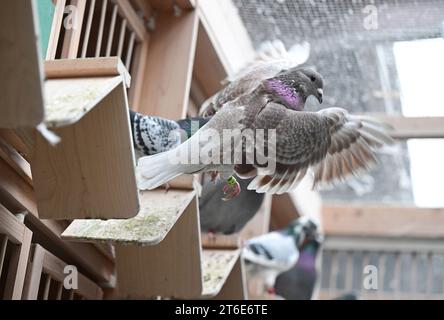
<point x="331" y="142"/>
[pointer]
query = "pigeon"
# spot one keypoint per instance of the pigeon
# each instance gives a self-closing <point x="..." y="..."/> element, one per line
<point x="152" y="135"/>
<point x="276" y="252"/>
<point x="299" y="282"/>
<point x="273" y="103"/>
<point x="218" y="216"/>
<point x="271" y="59"/>
<point x="331" y="143"/>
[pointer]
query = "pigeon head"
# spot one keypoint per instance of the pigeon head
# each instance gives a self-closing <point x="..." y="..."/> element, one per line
<point x="304" y="230"/>
<point x="292" y="87"/>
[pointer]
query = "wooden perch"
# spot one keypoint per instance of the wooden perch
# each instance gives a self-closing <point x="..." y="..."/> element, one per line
<point x="90" y="173"/>
<point x="21" y="98"/>
<point x="222" y="274"/>
<point x="159" y="212"/>
<point x="158" y="252"/>
<point x="86" y="67"/>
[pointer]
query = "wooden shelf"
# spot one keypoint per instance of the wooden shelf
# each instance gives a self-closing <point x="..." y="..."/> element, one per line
<point x="158" y="252"/>
<point x="21" y="81"/>
<point x="159" y="212"/>
<point x="90" y="173"/>
<point x="222" y="275"/>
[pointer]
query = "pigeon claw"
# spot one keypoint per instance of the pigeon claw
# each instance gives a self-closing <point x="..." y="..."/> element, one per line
<point x="231" y="189"/>
<point x="213" y="175"/>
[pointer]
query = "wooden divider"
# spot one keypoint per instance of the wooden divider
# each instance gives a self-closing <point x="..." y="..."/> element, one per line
<point x="21" y="98"/>
<point x="157" y="252"/>
<point x="17" y="237"/>
<point x="47" y="270"/>
<point x="169" y="66"/>
<point x="90" y="173"/>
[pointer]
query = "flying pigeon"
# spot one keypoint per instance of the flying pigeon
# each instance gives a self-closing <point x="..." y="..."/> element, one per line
<point x="276" y="252"/>
<point x="152" y="135"/>
<point x="299" y="282"/>
<point x="331" y="143"/>
<point x="273" y="104"/>
<point x="218" y="216"/>
<point x="272" y="58"/>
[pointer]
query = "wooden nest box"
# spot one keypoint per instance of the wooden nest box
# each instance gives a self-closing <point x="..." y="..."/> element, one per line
<point x="90" y="173"/>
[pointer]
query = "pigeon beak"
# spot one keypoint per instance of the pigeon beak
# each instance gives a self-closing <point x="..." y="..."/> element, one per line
<point x="319" y="94"/>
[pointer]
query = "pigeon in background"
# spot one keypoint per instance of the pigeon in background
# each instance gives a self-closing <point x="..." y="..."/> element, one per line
<point x="227" y="217"/>
<point x="273" y="253"/>
<point x="299" y="282"/>
<point x="152" y="135"/>
<point x="347" y="296"/>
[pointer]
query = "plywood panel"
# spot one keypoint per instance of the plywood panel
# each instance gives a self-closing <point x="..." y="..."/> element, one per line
<point x="169" y="65"/>
<point x="21" y="98"/>
<point x="90" y="173"/>
<point x="170" y="269"/>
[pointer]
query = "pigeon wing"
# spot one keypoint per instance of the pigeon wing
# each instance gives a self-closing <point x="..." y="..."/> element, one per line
<point x="331" y="142"/>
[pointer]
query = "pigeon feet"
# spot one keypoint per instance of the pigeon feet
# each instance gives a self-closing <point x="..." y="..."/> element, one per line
<point x="213" y="175"/>
<point x="231" y="189"/>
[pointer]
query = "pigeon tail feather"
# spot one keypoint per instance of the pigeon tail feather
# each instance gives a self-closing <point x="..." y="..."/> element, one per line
<point x="156" y="170"/>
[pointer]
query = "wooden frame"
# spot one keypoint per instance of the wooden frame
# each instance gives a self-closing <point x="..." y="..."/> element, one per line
<point x="18" y="196"/>
<point x="415" y="127"/>
<point x="169" y="65"/>
<point x="14" y="234"/>
<point x="21" y="82"/>
<point x="383" y="221"/>
<point x="43" y="265"/>
<point x="223" y="275"/>
<point x="147" y="246"/>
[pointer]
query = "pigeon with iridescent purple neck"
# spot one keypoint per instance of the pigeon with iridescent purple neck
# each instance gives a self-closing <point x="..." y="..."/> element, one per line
<point x="289" y="89"/>
<point x="290" y="86"/>
<point x="331" y="143"/>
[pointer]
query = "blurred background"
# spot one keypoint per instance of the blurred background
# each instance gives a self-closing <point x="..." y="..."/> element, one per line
<point x="377" y="57"/>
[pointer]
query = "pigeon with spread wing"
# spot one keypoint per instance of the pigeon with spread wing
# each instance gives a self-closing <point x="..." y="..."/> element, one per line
<point x="331" y="143"/>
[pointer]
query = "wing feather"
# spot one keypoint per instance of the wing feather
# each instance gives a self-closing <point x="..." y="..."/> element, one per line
<point x="330" y="142"/>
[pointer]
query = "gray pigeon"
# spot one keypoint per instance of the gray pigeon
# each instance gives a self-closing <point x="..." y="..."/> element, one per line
<point x="332" y="143"/>
<point x="299" y="282"/>
<point x="271" y="59"/>
<point x="227" y="217"/>
<point x="276" y="252"/>
<point x="152" y="135"/>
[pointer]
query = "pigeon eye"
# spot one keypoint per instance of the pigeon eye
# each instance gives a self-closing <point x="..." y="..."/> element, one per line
<point x="312" y="78"/>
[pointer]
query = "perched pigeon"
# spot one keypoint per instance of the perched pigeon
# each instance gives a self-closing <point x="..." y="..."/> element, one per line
<point x="332" y="143"/>
<point x="218" y="216"/>
<point x="276" y="252"/>
<point x="299" y="282"/>
<point x="152" y="135"/>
